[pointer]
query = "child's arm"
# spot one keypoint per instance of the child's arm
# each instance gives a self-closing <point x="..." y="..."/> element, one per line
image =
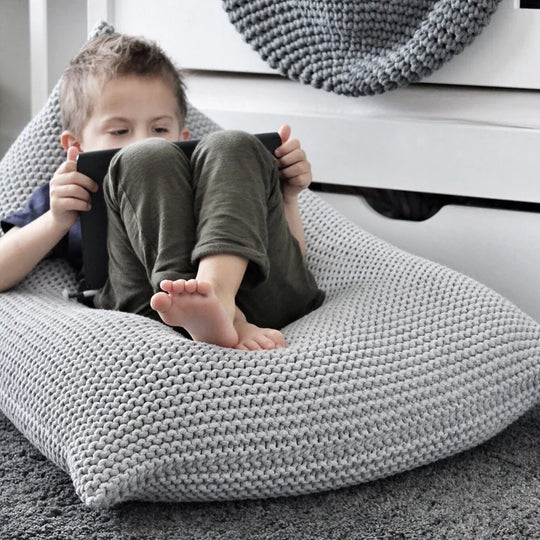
<point x="22" y="248"/>
<point x="295" y="171"/>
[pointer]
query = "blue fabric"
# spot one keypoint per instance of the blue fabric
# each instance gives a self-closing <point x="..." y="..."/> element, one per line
<point x="70" y="247"/>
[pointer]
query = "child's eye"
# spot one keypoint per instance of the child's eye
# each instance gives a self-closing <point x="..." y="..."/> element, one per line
<point x="161" y="130"/>
<point x="118" y="132"/>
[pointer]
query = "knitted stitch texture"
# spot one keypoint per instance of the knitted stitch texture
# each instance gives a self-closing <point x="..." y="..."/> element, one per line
<point x="406" y="362"/>
<point x="357" y="47"/>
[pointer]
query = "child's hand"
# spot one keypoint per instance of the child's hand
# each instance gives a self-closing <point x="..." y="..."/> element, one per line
<point x="69" y="191"/>
<point x="294" y="168"/>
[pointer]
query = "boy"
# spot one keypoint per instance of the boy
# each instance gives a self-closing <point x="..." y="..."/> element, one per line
<point x="206" y="244"/>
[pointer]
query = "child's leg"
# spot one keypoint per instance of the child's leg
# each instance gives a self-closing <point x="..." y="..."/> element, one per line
<point x="227" y="203"/>
<point x="238" y="191"/>
<point x="231" y="191"/>
<point x="204" y="306"/>
<point x="151" y="235"/>
<point x="239" y="209"/>
<point x="151" y="229"/>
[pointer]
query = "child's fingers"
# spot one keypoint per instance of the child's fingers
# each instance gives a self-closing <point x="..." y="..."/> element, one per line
<point x="72" y="205"/>
<point x="292" y="173"/>
<point x="287" y="147"/>
<point x="61" y="205"/>
<point x="72" y="191"/>
<point x="297" y="155"/>
<point x="72" y="153"/>
<point x="284" y="132"/>
<point x="68" y="175"/>
<point x="300" y="167"/>
<point x="66" y="167"/>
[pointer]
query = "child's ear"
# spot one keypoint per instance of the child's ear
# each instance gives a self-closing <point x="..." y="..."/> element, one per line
<point x="68" y="139"/>
<point x="184" y="134"/>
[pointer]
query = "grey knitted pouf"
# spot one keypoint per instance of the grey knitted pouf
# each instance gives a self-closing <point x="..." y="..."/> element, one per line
<point x="358" y="47"/>
<point x="405" y="363"/>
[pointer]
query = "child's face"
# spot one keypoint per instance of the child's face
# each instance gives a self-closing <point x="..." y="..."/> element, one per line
<point x="129" y="109"/>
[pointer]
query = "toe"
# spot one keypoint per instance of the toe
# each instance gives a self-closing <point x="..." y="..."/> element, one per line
<point x="166" y="285"/>
<point x="252" y="345"/>
<point x="276" y="336"/>
<point x="204" y="288"/>
<point x="266" y="343"/>
<point x="161" y="302"/>
<point x="179" y="286"/>
<point x="191" y="286"/>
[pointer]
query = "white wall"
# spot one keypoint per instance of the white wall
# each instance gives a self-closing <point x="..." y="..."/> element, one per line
<point x="14" y="70"/>
<point x="67" y="33"/>
<point x="66" y="20"/>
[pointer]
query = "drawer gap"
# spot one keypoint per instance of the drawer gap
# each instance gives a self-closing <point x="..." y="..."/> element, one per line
<point x="416" y="205"/>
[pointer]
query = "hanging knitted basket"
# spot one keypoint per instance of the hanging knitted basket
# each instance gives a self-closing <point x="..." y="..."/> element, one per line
<point x="358" y="47"/>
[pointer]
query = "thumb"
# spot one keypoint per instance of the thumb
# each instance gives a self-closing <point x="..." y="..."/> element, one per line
<point x="284" y="133"/>
<point x="72" y="153"/>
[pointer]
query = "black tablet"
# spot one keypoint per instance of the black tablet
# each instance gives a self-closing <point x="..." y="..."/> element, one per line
<point x="94" y="222"/>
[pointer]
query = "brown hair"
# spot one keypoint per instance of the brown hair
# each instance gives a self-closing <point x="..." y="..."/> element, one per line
<point x="105" y="58"/>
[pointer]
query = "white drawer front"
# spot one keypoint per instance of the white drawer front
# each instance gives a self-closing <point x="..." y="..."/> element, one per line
<point x="499" y="248"/>
<point x="196" y="33"/>
<point x="199" y="36"/>
<point x="467" y="142"/>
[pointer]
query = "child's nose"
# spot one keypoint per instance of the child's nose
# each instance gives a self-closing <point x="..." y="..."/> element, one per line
<point x="141" y="133"/>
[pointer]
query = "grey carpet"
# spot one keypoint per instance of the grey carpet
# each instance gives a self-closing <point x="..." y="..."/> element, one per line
<point x="492" y="491"/>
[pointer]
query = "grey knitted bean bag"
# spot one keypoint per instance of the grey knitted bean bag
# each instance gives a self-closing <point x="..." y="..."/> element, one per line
<point x="405" y="363"/>
<point x="358" y="47"/>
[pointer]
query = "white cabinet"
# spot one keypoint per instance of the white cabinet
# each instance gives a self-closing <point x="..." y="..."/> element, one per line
<point x="470" y="142"/>
<point x="198" y="34"/>
<point x="496" y="247"/>
<point x="445" y="138"/>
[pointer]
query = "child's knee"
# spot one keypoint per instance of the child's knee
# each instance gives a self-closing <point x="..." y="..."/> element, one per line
<point x="150" y="159"/>
<point x="145" y="153"/>
<point x="232" y="142"/>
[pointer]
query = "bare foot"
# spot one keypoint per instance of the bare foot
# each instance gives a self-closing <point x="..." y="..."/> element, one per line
<point x="194" y="305"/>
<point x="253" y="338"/>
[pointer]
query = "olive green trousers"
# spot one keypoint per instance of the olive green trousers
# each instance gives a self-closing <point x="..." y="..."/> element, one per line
<point x="166" y="212"/>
